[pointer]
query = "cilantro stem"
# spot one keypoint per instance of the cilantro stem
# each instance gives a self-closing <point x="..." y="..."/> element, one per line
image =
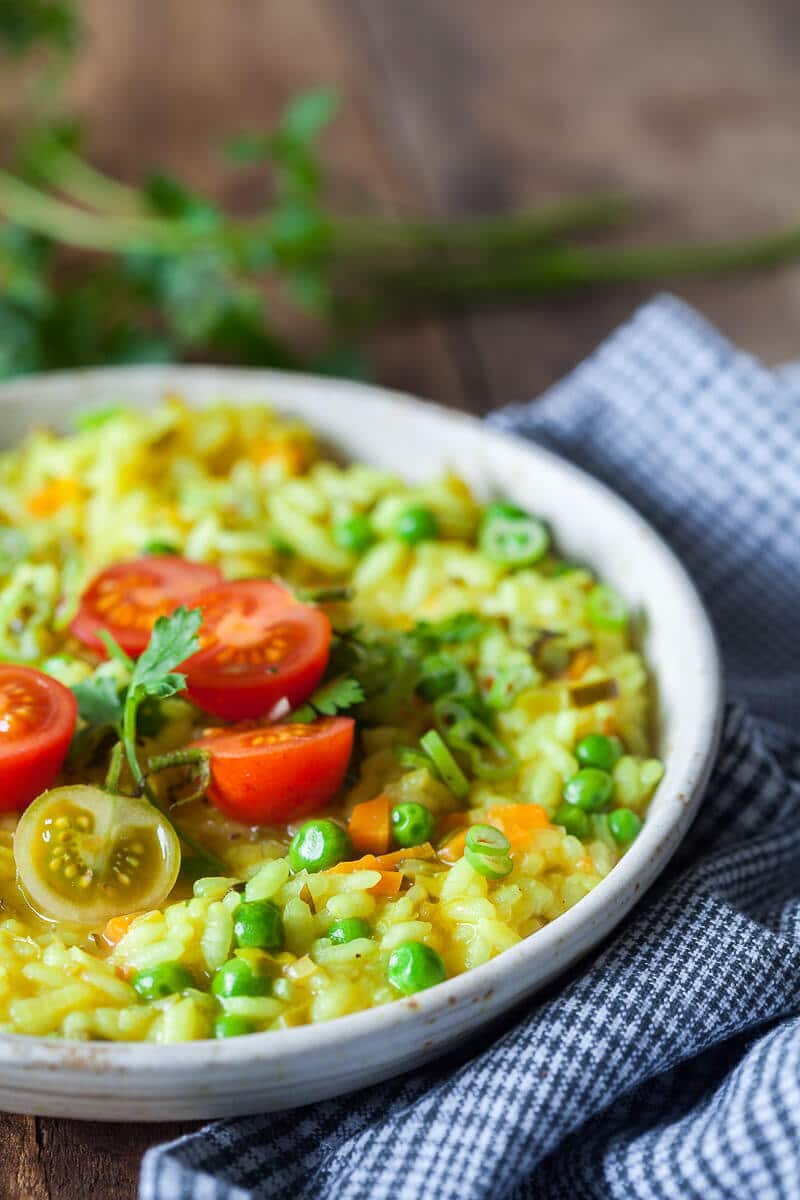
<point x="28" y="206"/>
<point x="77" y="178"/>
<point x="481" y="234"/>
<point x="211" y="861"/>
<point x="559" y="271"/>
<point x="111" y="783"/>
<point x="129" y="741"/>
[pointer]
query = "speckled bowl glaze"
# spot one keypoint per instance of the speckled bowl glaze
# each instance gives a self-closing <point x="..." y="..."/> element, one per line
<point x="145" y="1082"/>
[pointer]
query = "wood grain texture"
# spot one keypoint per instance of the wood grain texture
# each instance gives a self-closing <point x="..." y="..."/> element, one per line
<point x="457" y="108"/>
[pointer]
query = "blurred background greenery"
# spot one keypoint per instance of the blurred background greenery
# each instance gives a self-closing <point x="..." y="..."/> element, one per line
<point x="250" y="245"/>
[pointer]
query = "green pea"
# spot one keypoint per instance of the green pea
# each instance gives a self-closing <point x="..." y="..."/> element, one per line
<point x="624" y="825"/>
<point x="258" y="923"/>
<point x="412" y="823"/>
<point x="354" y="534"/>
<point x="347" y="930"/>
<point x="416" y="525"/>
<point x="154" y="983"/>
<point x="318" y="845"/>
<point x="574" y="820"/>
<point x="229" y="1025"/>
<point x="160" y="548"/>
<point x="413" y="966"/>
<point x="606" y="608"/>
<point x="590" y="789"/>
<point x="597" y="750"/>
<point x="237" y="977"/>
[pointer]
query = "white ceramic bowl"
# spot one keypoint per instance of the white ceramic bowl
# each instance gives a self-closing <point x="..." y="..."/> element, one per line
<point x="265" y="1071"/>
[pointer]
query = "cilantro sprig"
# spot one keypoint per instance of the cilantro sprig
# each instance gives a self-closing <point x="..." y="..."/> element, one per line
<point x="173" y="640"/>
<point x="337" y="696"/>
<point x="102" y="702"/>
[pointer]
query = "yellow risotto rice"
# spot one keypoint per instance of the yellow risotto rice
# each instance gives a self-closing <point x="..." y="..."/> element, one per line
<point x="248" y="492"/>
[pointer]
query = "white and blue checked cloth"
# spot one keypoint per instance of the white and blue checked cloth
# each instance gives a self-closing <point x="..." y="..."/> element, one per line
<point x="668" y="1067"/>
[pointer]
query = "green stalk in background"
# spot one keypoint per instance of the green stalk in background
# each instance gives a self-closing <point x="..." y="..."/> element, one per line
<point x="561" y="270"/>
<point x="94" y="270"/>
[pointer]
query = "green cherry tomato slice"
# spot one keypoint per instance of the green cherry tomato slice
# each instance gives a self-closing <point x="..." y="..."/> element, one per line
<point x="84" y="855"/>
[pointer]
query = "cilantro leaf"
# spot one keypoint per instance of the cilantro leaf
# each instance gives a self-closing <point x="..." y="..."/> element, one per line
<point x="99" y="700"/>
<point x="337" y="696"/>
<point x="173" y="640"/>
<point x="462" y="627"/>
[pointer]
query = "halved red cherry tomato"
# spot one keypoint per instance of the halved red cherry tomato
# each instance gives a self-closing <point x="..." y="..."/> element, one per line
<point x="276" y="773"/>
<point x="127" y="598"/>
<point x="257" y="646"/>
<point x="37" y="721"/>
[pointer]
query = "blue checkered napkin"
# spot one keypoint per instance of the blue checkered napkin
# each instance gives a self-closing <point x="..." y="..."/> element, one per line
<point x="669" y="1066"/>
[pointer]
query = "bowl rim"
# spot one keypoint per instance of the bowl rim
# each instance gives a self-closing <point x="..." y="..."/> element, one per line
<point x="622" y="887"/>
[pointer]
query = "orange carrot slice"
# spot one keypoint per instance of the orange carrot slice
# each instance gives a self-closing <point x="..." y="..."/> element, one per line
<point x="370" y="826"/>
<point x="387" y="861"/>
<point x="53" y="496"/>
<point x="390" y="880"/>
<point x="117" y="927"/>
<point x="453" y="820"/>
<point x="518" y="822"/>
<point x="453" y="849"/>
<point x="580" y="664"/>
<point x="389" y="884"/>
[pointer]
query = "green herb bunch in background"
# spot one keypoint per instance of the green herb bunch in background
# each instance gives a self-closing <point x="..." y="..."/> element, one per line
<point x="96" y="271"/>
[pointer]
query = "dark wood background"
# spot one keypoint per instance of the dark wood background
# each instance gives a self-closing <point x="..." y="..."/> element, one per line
<point x="458" y="106"/>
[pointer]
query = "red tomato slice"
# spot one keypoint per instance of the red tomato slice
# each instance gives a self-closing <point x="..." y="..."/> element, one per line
<point x="127" y="599"/>
<point x="273" y="774"/>
<point x="257" y="645"/>
<point x="37" y="721"/>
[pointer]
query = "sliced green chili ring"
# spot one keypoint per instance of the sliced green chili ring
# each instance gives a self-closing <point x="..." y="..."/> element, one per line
<point x="442" y="675"/>
<point x="445" y="764"/>
<point x="414" y="759"/>
<point x="477" y="742"/>
<point x="606" y="608"/>
<point x="513" y="540"/>
<point x="507" y="684"/>
<point x="486" y="839"/>
<point x="448" y="712"/>
<point x="490" y="866"/>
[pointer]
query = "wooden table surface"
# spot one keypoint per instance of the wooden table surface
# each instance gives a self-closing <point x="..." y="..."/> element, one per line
<point x="458" y="107"/>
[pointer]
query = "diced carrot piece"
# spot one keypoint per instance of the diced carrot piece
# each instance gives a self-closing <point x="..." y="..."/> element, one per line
<point x="609" y="725"/>
<point x="518" y="822"/>
<point x="53" y="496"/>
<point x="390" y="880"/>
<point x="581" y="663"/>
<point x="453" y="849"/>
<point x="389" y="884"/>
<point x="382" y="862"/>
<point x="586" y="865"/>
<point x="117" y="927"/>
<point x="386" y="861"/>
<point x="370" y="826"/>
<point x="290" y="455"/>
<point x="453" y="820"/>
<point x="367" y="862"/>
